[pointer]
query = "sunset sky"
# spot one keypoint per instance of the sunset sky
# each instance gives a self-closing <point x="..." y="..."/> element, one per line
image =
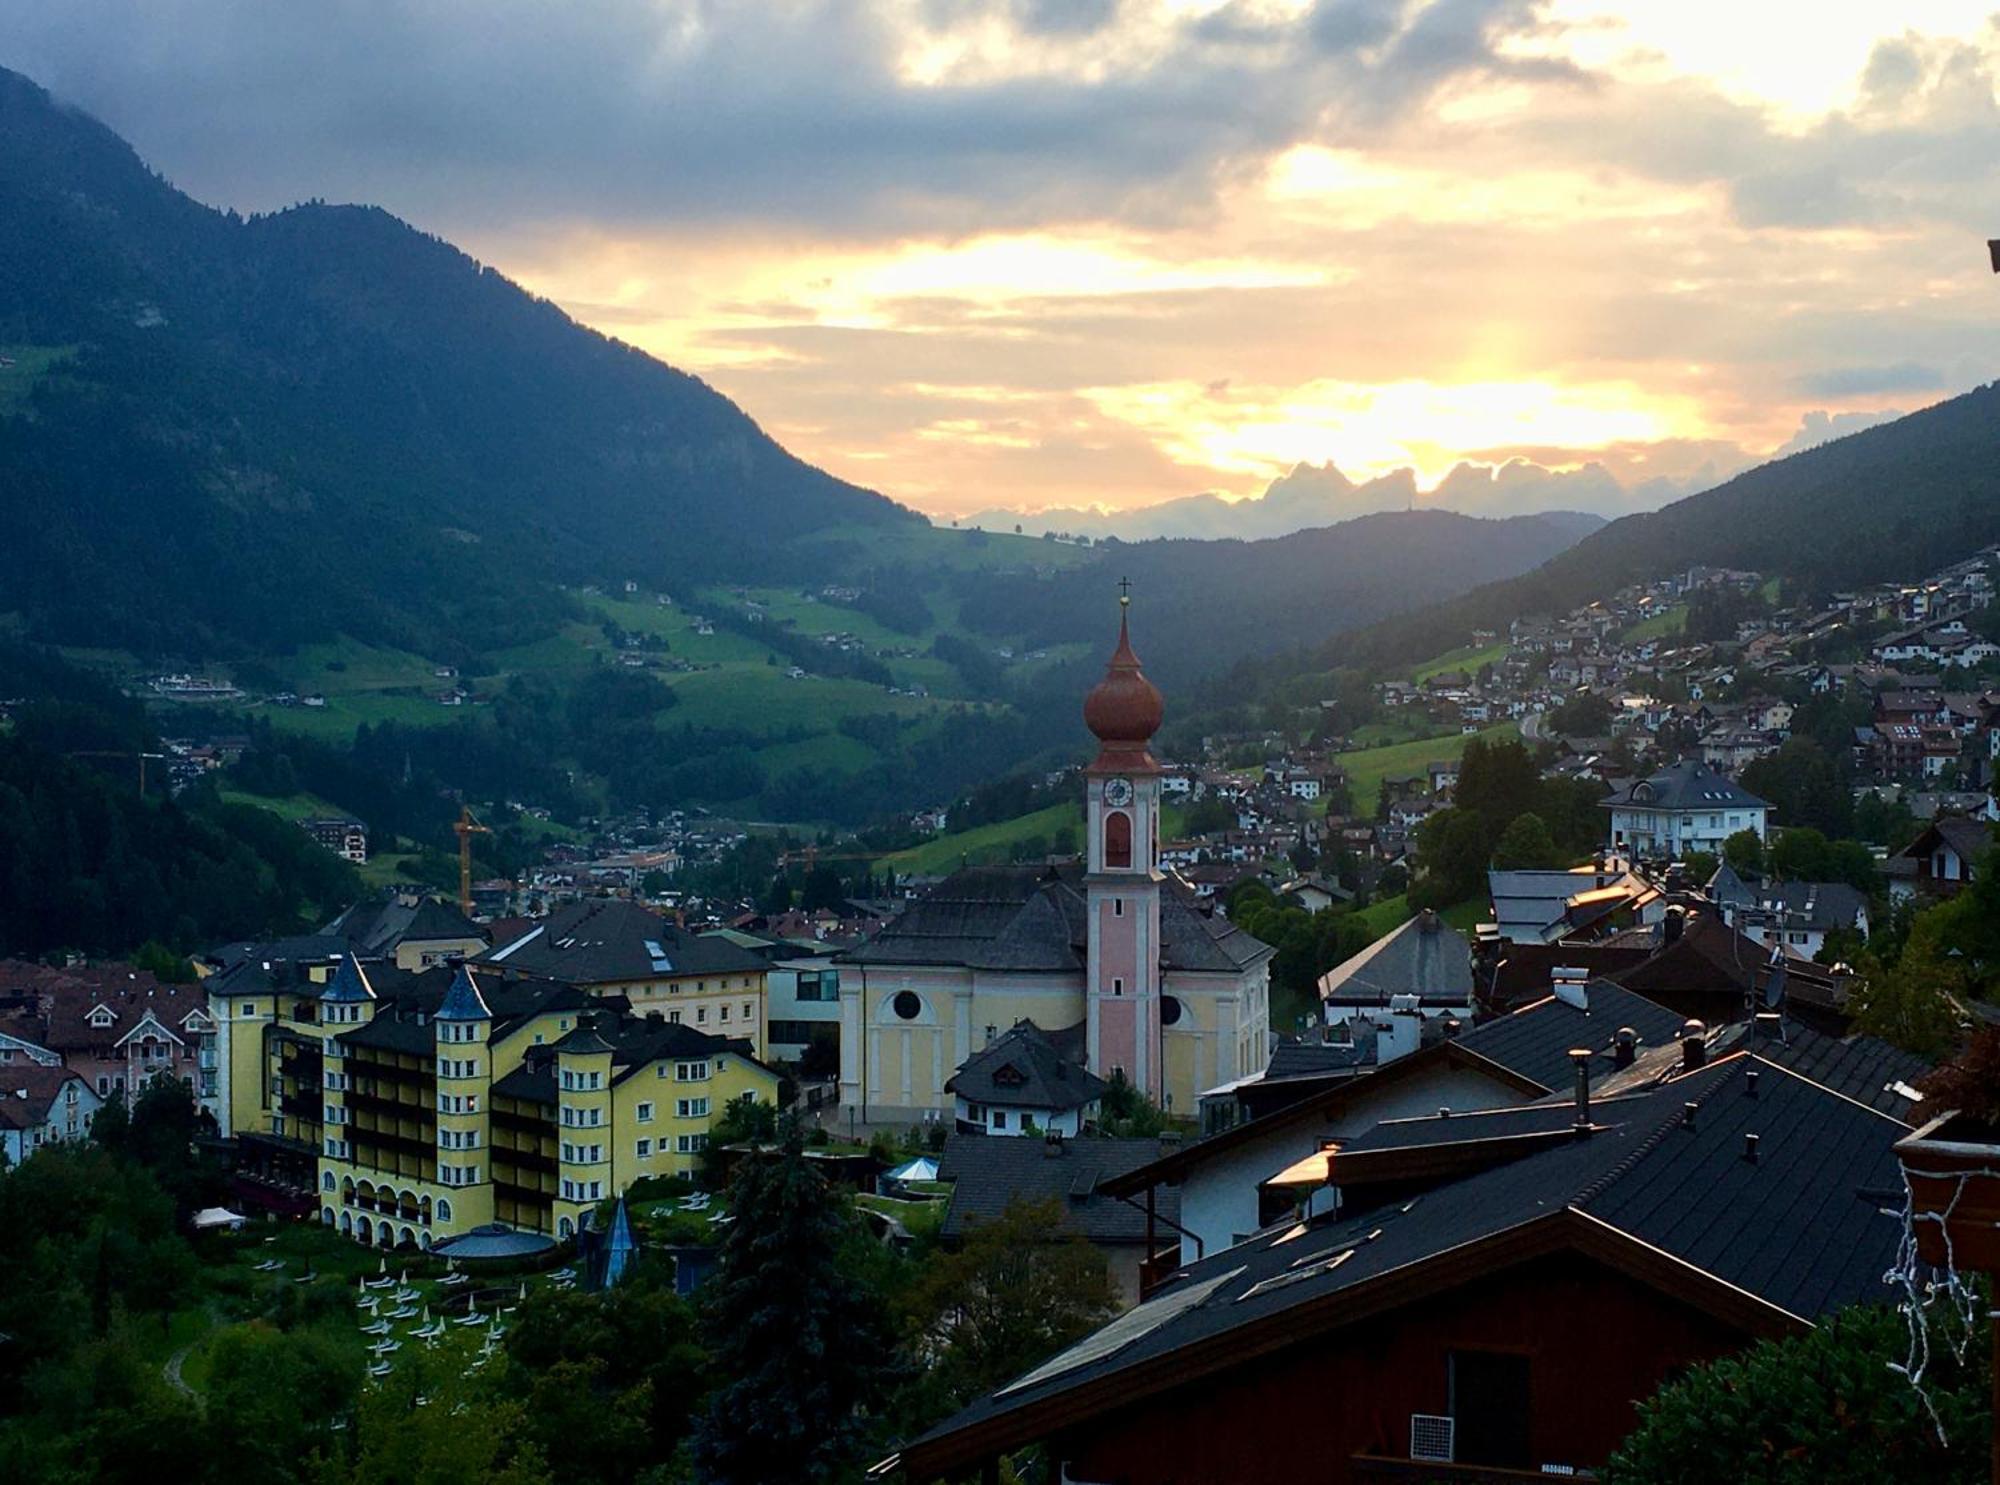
<point x="1109" y="252"/>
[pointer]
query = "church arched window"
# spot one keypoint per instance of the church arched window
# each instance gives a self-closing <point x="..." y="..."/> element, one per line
<point x="1117" y="839"/>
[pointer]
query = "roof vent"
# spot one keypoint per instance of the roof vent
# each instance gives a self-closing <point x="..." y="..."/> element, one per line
<point x="1750" y="1148"/>
<point x="1687" y="1114"/>
<point x="1750" y="1082"/>
<point x="1569" y="986"/>
<point x="1624" y="1047"/>
<point x="1694" y="1045"/>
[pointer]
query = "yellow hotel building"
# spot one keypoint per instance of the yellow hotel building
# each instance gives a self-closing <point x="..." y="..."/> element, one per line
<point x="434" y="1102"/>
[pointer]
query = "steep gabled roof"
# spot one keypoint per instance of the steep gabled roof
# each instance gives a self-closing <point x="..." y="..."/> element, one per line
<point x="987" y="1172"/>
<point x="1022" y="1068"/>
<point x="1763" y="1245"/>
<point x="1425" y="957"/>
<point x="1687" y="785"/>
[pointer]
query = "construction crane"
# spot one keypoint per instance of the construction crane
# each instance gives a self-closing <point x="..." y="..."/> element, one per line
<point x="812" y="855"/>
<point x="465" y="827"/>
<point x="118" y="753"/>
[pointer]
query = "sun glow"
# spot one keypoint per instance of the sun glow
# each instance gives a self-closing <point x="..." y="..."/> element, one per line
<point x="1372" y="429"/>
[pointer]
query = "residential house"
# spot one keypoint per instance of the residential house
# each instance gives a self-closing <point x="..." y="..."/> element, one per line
<point x="39" y="1106"/>
<point x="986" y="1175"/>
<point x="1538" y="1277"/>
<point x="1424" y="965"/>
<point x="115" y="1027"/>
<point x="1026" y="1081"/>
<point x="1939" y="862"/>
<point x="1683" y="808"/>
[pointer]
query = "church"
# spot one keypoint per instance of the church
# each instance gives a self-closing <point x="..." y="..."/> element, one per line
<point x="1175" y="1000"/>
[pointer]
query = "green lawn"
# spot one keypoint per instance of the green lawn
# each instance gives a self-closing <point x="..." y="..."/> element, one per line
<point x="1464" y="658"/>
<point x="1368" y="767"/>
<point x="31" y="364"/>
<point x="291" y="806"/>
<point x="941" y="546"/>
<point x="1667" y="622"/>
<point x="986" y="843"/>
<point x="1391" y="912"/>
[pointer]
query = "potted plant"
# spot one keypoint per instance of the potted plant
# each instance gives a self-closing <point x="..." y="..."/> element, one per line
<point x="1952" y="1164"/>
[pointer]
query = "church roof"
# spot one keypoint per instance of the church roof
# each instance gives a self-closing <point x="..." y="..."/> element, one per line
<point x="1032" y="920"/>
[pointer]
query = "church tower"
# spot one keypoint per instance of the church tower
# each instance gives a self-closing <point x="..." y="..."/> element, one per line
<point x="1121" y="875"/>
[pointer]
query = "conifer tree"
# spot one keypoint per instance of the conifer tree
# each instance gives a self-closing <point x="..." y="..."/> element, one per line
<point x="803" y="1348"/>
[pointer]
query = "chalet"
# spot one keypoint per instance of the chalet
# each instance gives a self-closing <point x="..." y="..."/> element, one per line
<point x="987" y="1175"/>
<point x="1541" y="1271"/>
<point x="115" y="1027"/>
<point x="1425" y="965"/>
<point x="1026" y="1082"/>
<point x="1225" y="1182"/>
<point x="1939" y="862"/>
<point x="41" y="1106"/>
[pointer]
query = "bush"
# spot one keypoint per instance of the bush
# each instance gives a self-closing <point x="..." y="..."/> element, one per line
<point x="1823" y="1408"/>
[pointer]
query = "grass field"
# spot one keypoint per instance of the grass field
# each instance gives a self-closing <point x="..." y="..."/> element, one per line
<point x="31" y="364"/>
<point x="1391" y="912"/>
<point x="1666" y="622"/>
<point x="291" y="806"/>
<point x="1368" y="767"/>
<point x="986" y="843"/>
<point x="1464" y="658"/>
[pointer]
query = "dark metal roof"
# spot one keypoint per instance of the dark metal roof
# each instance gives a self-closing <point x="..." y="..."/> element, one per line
<point x="1535" y="1041"/>
<point x="1803" y="1228"/>
<point x="378" y="927"/>
<point x="1425" y="957"/>
<point x="989" y="1171"/>
<point x="1023" y="1068"/>
<point x="1031" y="919"/>
<point x="1687" y="785"/>
<point x="605" y="940"/>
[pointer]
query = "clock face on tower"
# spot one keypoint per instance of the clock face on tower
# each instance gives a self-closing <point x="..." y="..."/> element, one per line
<point x="1118" y="792"/>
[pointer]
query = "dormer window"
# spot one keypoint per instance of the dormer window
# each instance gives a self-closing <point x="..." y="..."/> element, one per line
<point x="100" y="1017"/>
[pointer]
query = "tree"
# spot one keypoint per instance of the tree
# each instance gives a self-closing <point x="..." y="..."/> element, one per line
<point x="1586" y="714"/>
<point x="1804" y="786"/>
<point x="802" y="1349"/>
<point x="1125" y="1112"/>
<point x="1017" y="1291"/>
<point x="1744" y="851"/>
<point x="1912" y="1003"/>
<point x="1823" y="1408"/>
<point x="417" y="1426"/>
<point x="1525" y="845"/>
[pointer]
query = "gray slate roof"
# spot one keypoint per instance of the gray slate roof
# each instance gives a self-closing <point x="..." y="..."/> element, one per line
<point x="1801" y="1228"/>
<point x="605" y="940"/>
<point x="1687" y="785"/>
<point x="1031" y="919"/>
<point x="378" y="927"/>
<point x="1024" y="1068"/>
<point x="1536" y="1040"/>
<point x="1425" y="957"/>
<point x="989" y="1171"/>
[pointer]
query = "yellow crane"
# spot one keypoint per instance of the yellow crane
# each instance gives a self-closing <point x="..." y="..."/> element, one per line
<point x="466" y="827"/>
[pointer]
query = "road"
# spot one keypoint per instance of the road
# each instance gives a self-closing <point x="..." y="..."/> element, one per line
<point x="1531" y="727"/>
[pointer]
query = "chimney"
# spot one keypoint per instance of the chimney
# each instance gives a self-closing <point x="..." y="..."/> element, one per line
<point x="1768" y="1026"/>
<point x="1569" y="985"/>
<point x="1052" y="1144"/>
<point x="1672" y="926"/>
<point x="1581" y="1057"/>
<point x="1624" y="1047"/>
<point x="1452" y="1027"/>
<point x="1750" y="1148"/>
<point x="1750" y="1083"/>
<point x="1694" y="1046"/>
<point x="1687" y="1114"/>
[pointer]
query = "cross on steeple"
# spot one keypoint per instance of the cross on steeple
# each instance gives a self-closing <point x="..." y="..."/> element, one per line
<point x="1124" y="592"/>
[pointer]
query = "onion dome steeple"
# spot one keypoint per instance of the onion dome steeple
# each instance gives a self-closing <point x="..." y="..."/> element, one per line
<point x="1124" y="709"/>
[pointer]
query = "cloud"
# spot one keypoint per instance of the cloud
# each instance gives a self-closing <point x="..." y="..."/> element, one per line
<point x="1867" y="381"/>
<point x="914" y="116"/>
<point x="1816" y="428"/>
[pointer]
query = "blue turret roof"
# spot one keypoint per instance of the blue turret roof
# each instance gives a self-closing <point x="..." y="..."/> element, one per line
<point x="621" y="1247"/>
<point x="463" y="1002"/>
<point x="349" y="982"/>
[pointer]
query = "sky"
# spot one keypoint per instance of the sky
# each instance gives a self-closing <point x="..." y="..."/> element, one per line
<point x="1022" y="254"/>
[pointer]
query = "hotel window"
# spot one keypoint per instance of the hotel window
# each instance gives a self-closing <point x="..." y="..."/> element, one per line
<point x="691" y="1108"/>
<point x="646" y="1110"/>
<point x="700" y="1015"/>
<point x="747" y="1011"/>
<point x="691" y="1144"/>
<point x="674" y="1017"/>
<point x="691" y="1072"/>
<point x="725" y="1011"/>
<point x="643" y="1149"/>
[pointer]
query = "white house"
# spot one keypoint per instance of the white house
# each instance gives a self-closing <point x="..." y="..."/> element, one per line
<point x="41" y="1105"/>
<point x="1685" y="807"/>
